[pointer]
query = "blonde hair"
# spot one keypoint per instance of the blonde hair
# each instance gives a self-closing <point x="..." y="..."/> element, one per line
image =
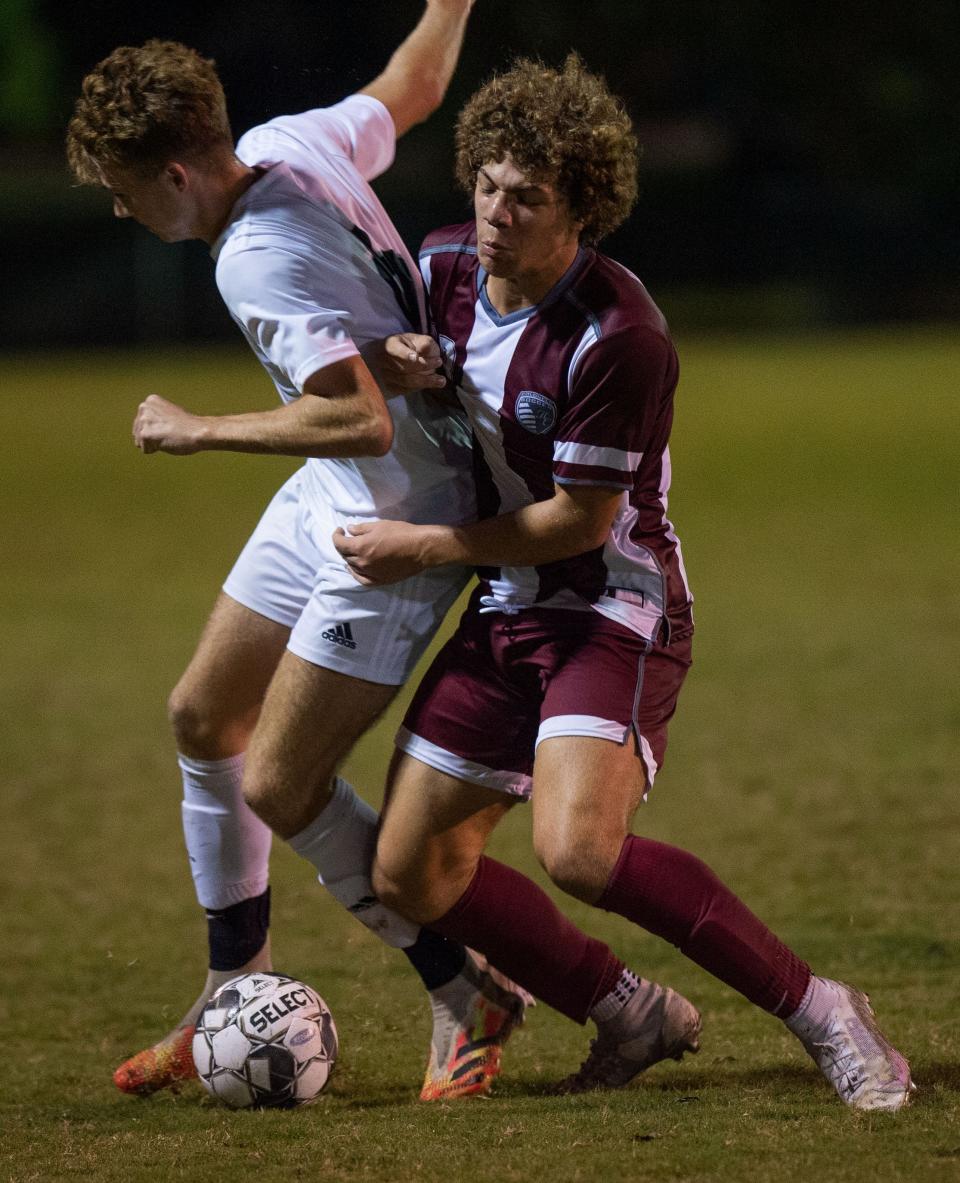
<point x="143" y="106"/>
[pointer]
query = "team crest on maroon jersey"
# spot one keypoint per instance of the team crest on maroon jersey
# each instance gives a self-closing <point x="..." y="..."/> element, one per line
<point x="535" y="412"/>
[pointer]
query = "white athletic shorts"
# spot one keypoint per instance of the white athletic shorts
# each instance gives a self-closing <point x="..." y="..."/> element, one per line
<point x="290" y="572"/>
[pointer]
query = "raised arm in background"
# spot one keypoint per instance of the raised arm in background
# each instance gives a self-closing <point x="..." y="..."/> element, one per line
<point x="417" y="76"/>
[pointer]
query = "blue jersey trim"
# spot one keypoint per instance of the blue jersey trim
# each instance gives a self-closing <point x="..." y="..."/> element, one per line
<point x="567" y="480"/>
<point x="451" y="248"/>
<point x="559" y="288"/>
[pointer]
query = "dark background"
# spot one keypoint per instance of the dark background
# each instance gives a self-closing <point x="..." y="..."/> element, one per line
<point x="800" y="162"/>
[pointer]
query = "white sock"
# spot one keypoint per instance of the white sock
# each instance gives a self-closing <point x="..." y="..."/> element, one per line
<point x="340" y="843"/>
<point x="818" y="1002"/>
<point x="217" y="978"/>
<point x="613" y="1003"/>
<point x="228" y="845"/>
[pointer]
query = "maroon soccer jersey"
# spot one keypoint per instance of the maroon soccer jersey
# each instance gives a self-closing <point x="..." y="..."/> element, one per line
<point x="576" y="390"/>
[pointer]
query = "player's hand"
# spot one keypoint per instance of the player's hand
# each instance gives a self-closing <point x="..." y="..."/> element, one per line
<point x="162" y="426"/>
<point x="405" y="362"/>
<point x="381" y="552"/>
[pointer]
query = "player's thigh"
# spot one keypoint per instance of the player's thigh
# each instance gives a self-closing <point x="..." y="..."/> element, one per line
<point x="310" y="719"/>
<point x="217" y="699"/>
<point x="433" y="830"/>
<point x="602" y="738"/>
<point x="585" y="792"/>
<point x="215" y="704"/>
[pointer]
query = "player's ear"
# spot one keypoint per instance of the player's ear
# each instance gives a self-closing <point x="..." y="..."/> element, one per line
<point x="176" y="174"/>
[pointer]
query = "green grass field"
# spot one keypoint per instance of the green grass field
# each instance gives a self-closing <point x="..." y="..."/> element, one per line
<point x="813" y="764"/>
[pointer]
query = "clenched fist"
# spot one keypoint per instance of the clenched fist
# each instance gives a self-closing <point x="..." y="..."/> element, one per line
<point x="162" y="426"/>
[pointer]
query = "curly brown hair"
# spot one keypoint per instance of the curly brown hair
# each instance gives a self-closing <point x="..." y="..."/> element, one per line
<point x="562" y="126"/>
<point x="143" y="106"/>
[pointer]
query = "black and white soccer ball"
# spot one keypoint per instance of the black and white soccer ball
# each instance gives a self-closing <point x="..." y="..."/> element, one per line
<point x="265" y="1041"/>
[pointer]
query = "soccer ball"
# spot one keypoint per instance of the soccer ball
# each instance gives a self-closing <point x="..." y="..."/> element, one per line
<point x="265" y="1041"/>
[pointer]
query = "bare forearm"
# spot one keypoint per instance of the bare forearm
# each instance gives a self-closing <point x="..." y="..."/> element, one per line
<point x="528" y="537"/>
<point x="340" y="413"/>
<point x="569" y="523"/>
<point x="431" y="52"/>
<point x="293" y="430"/>
<point x="417" y="76"/>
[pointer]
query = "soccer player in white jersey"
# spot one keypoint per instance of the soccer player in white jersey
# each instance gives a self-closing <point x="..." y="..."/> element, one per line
<point x="297" y="661"/>
<point x="565" y="669"/>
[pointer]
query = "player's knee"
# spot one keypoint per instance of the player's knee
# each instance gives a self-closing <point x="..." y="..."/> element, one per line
<point x="203" y="728"/>
<point x="409" y="894"/>
<point x="287" y="803"/>
<point x="261" y="792"/>
<point x="193" y="724"/>
<point x="577" y="867"/>
<point x="386" y="887"/>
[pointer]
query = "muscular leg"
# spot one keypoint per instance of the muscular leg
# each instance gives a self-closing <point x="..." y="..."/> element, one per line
<point x="310" y="720"/>
<point x="583" y="795"/>
<point x="213" y="710"/>
<point x="429" y="864"/>
<point x="214" y="707"/>
<point x="433" y="829"/>
<point x="585" y="792"/>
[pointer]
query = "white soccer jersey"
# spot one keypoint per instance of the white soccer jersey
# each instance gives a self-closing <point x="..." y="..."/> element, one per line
<point x="312" y="270"/>
<point x="578" y="390"/>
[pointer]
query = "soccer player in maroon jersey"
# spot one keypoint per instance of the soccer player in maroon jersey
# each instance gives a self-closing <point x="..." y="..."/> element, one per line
<point x="565" y="669"/>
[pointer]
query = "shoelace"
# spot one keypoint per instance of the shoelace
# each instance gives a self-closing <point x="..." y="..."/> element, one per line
<point x="492" y="604"/>
<point x="844" y="1072"/>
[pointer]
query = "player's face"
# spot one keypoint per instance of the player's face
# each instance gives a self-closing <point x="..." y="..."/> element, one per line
<point x="159" y="203"/>
<point x="524" y="226"/>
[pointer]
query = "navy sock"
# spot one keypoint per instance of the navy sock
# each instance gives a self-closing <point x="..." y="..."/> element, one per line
<point x="238" y="933"/>
<point x="436" y="959"/>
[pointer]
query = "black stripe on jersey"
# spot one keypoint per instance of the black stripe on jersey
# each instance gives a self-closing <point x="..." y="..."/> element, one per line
<point x="395" y="271"/>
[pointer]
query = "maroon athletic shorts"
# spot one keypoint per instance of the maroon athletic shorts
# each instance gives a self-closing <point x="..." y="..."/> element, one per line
<point x="504" y="683"/>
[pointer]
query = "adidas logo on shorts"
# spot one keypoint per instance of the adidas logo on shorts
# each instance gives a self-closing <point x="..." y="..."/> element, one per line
<point x="340" y="634"/>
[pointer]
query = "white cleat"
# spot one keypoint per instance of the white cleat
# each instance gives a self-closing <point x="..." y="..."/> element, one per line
<point x="656" y="1024"/>
<point x="852" y="1052"/>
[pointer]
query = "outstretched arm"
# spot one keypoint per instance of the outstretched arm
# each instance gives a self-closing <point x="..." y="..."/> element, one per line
<point x="340" y="413"/>
<point x="417" y="76"/>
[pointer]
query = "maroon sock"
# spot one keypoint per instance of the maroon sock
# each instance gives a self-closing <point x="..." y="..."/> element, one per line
<point x="505" y="916"/>
<point x="675" y="896"/>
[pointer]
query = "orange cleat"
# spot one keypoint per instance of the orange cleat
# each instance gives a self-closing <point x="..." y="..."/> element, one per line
<point x="473" y="1016"/>
<point x="158" y="1067"/>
